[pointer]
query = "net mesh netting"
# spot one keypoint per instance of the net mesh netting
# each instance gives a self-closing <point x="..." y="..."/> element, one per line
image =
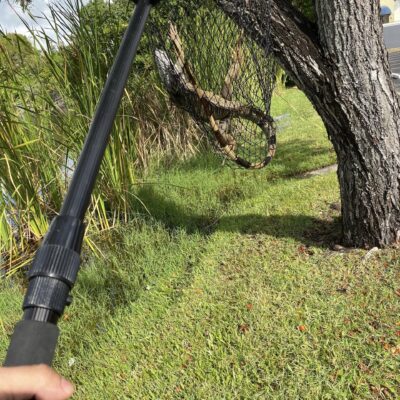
<point x="222" y="78"/>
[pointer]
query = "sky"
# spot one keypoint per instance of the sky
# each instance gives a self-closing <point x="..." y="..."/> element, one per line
<point x="10" y="22"/>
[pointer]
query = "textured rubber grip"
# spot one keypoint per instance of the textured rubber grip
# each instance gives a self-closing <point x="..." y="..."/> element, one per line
<point x="32" y="343"/>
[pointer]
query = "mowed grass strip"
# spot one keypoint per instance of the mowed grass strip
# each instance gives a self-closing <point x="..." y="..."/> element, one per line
<point x="229" y="290"/>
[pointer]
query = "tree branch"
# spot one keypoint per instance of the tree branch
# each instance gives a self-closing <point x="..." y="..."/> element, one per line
<point x="293" y="40"/>
<point x="308" y="27"/>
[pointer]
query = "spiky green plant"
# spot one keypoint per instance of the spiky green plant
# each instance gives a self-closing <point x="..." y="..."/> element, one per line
<point x="47" y="100"/>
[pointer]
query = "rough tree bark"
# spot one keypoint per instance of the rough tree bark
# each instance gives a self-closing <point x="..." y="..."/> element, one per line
<point x="342" y="66"/>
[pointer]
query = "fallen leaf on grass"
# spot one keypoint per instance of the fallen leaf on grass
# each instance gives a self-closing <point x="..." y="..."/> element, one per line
<point x="380" y="392"/>
<point x="397" y="292"/>
<point x="301" y="249"/>
<point x="187" y="362"/>
<point x="364" y="368"/>
<point x="249" y="306"/>
<point x="301" y="328"/>
<point x="395" y="350"/>
<point x="304" y="249"/>
<point x="244" y="328"/>
<point x="354" y="332"/>
<point x="178" y="389"/>
<point x="386" y="346"/>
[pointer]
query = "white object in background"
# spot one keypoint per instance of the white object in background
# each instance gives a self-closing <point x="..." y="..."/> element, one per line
<point x="396" y="12"/>
<point x="391" y="33"/>
<point x="71" y="362"/>
<point x="395" y="76"/>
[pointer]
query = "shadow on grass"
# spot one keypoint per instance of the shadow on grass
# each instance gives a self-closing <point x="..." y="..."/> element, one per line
<point x="173" y="216"/>
<point x="111" y="288"/>
<point x="205" y="160"/>
<point x="306" y="229"/>
<point x="303" y="228"/>
<point x="133" y="260"/>
<point x="294" y="153"/>
<point x="291" y="158"/>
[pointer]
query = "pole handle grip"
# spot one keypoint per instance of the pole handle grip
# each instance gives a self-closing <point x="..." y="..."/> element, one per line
<point x="32" y="343"/>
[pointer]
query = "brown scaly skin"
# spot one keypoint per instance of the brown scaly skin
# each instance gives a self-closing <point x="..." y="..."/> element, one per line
<point x="215" y="109"/>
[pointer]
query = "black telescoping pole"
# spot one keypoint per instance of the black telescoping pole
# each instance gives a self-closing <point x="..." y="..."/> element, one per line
<point x="56" y="263"/>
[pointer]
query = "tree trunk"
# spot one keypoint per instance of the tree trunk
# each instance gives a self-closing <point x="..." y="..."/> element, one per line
<point x="342" y="66"/>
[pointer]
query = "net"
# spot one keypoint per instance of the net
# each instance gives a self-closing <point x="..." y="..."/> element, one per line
<point x="222" y="78"/>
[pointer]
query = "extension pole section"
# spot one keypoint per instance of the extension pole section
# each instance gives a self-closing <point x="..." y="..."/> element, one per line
<point x="78" y="197"/>
<point x="56" y="264"/>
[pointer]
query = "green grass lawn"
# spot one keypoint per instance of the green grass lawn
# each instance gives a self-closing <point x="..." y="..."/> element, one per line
<point x="225" y="287"/>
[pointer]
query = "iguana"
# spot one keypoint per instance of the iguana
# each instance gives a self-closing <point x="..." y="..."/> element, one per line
<point x="206" y="106"/>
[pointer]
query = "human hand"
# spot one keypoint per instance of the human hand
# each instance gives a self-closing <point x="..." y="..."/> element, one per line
<point x="37" y="381"/>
